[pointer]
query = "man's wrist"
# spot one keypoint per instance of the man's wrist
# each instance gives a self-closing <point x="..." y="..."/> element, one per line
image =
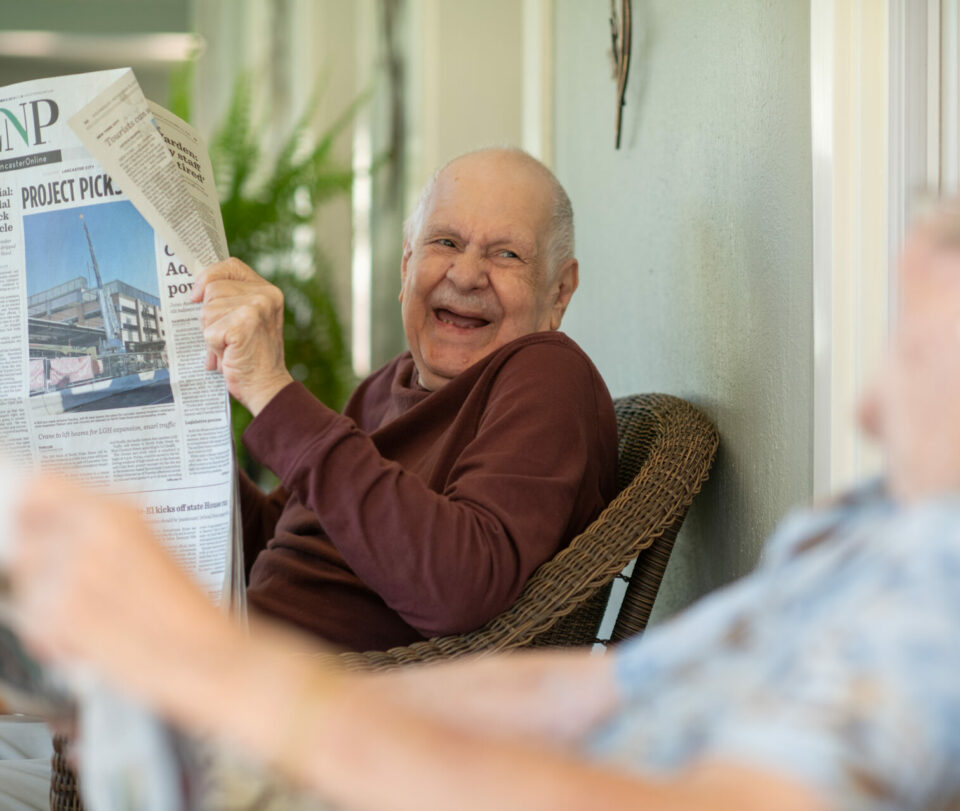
<point x="264" y="393"/>
<point x="286" y="695"/>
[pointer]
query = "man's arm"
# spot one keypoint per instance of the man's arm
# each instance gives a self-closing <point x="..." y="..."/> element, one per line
<point x="365" y="742"/>
<point x="259" y="512"/>
<point x="361" y="743"/>
<point x="449" y="559"/>
<point x="386" y="758"/>
<point x="555" y="695"/>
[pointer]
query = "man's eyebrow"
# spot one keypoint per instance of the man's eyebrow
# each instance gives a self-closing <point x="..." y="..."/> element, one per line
<point x="431" y="231"/>
<point x="526" y="247"/>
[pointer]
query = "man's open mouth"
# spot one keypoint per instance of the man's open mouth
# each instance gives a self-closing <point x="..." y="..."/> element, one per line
<point x="458" y="320"/>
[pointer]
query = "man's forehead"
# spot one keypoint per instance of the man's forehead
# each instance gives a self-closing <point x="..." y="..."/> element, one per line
<point x="929" y="278"/>
<point x="507" y="196"/>
<point x="499" y="164"/>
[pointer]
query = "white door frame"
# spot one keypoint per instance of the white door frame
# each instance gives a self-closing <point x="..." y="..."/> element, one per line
<point x="821" y="115"/>
<point x="878" y="137"/>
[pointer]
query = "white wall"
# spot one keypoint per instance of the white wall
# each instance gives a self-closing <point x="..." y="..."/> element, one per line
<point x="850" y="65"/>
<point x="466" y="69"/>
<point x="695" y="245"/>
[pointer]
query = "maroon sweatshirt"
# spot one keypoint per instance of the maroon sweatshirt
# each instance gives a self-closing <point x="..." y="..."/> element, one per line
<point x="420" y="513"/>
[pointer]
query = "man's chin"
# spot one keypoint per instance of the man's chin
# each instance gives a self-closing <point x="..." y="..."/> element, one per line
<point x="443" y="360"/>
<point x="434" y="375"/>
<point x="432" y="379"/>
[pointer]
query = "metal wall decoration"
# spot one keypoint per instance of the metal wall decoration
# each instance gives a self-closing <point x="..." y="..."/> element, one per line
<point x="620" y="35"/>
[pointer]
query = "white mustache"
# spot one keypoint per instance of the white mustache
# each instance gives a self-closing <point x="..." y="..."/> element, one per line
<point x="469" y="306"/>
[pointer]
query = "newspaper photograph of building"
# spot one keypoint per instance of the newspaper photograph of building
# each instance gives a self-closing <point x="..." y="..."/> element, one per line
<point x="97" y="338"/>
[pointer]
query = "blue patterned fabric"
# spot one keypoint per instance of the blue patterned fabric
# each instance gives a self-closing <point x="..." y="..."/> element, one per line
<point x="837" y="662"/>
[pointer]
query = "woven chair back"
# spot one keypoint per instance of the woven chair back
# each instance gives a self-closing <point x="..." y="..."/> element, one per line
<point x="666" y="448"/>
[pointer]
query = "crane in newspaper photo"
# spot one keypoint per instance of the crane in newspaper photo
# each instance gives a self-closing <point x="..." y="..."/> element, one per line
<point x="100" y="347"/>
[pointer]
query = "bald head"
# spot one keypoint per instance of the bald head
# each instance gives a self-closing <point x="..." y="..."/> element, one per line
<point x="487" y="259"/>
<point x="558" y="212"/>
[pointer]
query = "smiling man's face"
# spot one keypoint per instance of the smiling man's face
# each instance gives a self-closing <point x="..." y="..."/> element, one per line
<point x="477" y="275"/>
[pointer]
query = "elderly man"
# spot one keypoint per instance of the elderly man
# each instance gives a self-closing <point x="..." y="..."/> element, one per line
<point x="457" y="468"/>
<point x="825" y="680"/>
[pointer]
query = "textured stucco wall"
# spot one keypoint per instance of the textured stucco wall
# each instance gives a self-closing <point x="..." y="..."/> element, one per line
<point x="695" y="245"/>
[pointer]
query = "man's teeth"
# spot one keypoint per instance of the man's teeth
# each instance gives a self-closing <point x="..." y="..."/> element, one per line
<point x="456" y="322"/>
<point x="462" y="321"/>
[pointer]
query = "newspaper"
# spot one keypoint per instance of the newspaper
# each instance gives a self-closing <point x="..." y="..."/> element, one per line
<point x="107" y="206"/>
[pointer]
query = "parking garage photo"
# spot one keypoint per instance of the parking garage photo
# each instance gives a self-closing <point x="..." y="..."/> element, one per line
<point x="96" y="329"/>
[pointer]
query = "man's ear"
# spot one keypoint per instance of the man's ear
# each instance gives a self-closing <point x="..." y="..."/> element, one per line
<point x="870" y="411"/>
<point x="407" y="250"/>
<point x="563" y="287"/>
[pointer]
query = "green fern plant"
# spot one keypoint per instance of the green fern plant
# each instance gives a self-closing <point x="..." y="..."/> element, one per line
<point x="264" y="202"/>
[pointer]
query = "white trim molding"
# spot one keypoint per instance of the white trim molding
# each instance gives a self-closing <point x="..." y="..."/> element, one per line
<point x="821" y="100"/>
<point x="537" y="96"/>
<point x="914" y="116"/>
<point x="948" y="148"/>
<point x="856" y="57"/>
<point x="885" y="105"/>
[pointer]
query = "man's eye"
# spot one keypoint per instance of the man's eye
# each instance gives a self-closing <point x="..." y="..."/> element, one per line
<point x="507" y="254"/>
<point x="446" y="243"/>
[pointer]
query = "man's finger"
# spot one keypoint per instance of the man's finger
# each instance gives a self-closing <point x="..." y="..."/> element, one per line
<point x="212" y="362"/>
<point x="231" y="269"/>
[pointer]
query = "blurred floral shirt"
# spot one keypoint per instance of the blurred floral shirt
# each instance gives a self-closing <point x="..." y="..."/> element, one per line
<point x="837" y="662"/>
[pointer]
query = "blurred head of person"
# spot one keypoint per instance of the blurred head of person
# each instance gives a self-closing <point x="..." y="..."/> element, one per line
<point x="913" y="406"/>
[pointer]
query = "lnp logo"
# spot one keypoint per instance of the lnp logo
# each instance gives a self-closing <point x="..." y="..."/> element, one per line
<point x="28" y="126"/>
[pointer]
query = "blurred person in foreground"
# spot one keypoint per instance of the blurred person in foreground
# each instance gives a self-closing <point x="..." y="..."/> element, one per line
<point x="457" y="468"/>
<point x="827" y="679"/>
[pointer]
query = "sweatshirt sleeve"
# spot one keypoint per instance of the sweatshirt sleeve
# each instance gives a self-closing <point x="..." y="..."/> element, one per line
<point x="448" y="561"/>
<point x="259" y="512"/>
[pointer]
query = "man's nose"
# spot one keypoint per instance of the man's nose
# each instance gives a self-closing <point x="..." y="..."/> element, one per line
<point x="469" y="271"/>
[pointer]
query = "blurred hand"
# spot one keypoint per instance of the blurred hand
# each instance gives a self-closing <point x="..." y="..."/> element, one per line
<point x="92" y="586"/>
<point x="243" y="328"/>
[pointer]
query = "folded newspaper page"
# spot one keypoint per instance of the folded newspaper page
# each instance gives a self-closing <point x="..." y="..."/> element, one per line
<point x="107" y="206"/>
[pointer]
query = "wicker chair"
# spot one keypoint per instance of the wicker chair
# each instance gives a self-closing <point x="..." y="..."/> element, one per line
<point x="666" y="449"/>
